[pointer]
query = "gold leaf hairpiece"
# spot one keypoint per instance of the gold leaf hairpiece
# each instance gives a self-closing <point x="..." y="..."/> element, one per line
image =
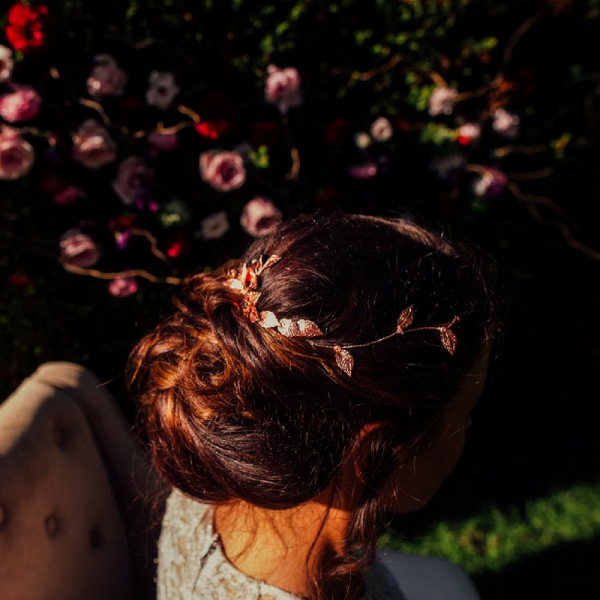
<point x="245" y="282"/>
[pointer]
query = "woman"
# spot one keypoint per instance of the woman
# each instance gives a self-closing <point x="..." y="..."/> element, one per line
<point x="294" y="397"/>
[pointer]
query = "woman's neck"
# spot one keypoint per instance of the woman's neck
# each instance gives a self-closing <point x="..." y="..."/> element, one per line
<point x="277" y="546"/>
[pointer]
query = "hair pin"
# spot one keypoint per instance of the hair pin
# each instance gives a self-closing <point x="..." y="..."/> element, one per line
<point x="245" y="282"/>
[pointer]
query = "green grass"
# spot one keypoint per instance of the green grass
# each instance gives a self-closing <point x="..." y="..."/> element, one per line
<point x="496" y="539"/>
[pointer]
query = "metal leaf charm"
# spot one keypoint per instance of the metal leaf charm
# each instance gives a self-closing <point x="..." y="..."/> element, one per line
<point x="308" y="328"/>
<point x="448" y="339"/>
<point x="344" y="360"/>
<point x="268" y="320"/>
<point x="406" y="318"/>
<point x="302" y="328"/>
<point x="288" y="328"/>
<point x="270" y="261"/>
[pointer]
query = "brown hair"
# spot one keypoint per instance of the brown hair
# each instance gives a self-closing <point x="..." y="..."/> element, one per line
<point x="233" y="410"/>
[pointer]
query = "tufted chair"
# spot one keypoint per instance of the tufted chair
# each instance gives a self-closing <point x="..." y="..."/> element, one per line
<point x="78" y="500"/>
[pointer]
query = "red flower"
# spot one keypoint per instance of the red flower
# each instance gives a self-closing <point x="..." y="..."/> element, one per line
<point x="179" y="246"/>
<point x="336" y="132"/>
<point x="265" y="133"/>
<point x="212" y="129"/>
<point x="19" y="281"/>
<point x="29" y="28"/>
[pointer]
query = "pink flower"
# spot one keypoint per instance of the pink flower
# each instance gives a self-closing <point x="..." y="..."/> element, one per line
<point x="366" y="171"/>
<point x="20" y="105"/>
<point x="6" y="63"/>
<point x="162" y="89"/>
<point x="92" y="145"/>
<point x="506" y="123"/>
<point x="123" y="286"/>
<point x="77" y="249"/>
<point x="441" y="101"/>
<point x="68" y="195"/>
<point x="382" y="130"/>
<point x="282" y="87"/>
<point x="16" y="154"/>
<point x="163" y="142"/>
<point x="132" y="176"/>
<point x="106" y="78"/>
<point x="260" y="216"/>
<point x="215" y="226"/>
<point x="223" y="171"/>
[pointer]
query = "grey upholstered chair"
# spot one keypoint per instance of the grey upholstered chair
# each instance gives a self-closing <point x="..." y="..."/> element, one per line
<point x="79" y="504"/>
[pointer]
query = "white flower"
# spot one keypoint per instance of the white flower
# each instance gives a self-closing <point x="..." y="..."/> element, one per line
<point x="469" y="133"/>
<point x="382" y="130"/>
<point x="362" y="140"/>
<point x="441" y="101"/>
<point x="444" y="166"/>
<point x="162" y="89"/>
<point x="6" y="63"/>
<point x="506" y="123"/>
<point x="215" y="226"/>
<point x="106" y="78"/>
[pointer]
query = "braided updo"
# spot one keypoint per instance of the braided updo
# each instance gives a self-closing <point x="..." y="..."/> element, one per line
<point x="236" y="411"/>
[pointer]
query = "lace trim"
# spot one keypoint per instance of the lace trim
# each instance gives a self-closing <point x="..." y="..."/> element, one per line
<point x="192" y="565"/>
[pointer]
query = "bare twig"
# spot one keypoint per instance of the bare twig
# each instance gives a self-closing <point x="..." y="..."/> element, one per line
<point x="388" y="66"/>
<point x="531" y="174"/>
<point x="122" y="274"/>
<point x="516" y="37"/>
<point x="184" y="110"/>
<point x="97" y="107"/>
<point x="533" y="202"/>
<point x="293" y="174"/>
<point x="520" y="149"/>
<point x="153" y="244"/>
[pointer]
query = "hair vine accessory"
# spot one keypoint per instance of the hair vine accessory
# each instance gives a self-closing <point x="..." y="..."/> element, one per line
<point x="245" y="282"/>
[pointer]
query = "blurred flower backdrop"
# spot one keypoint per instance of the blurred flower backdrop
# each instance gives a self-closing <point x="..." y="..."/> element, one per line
<point x="141" y="141"/>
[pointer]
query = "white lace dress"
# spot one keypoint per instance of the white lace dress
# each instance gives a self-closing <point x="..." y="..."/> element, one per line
<point x="192" y="565"/>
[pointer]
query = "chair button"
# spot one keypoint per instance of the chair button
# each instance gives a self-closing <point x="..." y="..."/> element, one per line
<point x="52" y="525"/>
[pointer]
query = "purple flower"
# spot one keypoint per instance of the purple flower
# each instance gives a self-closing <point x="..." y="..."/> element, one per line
<point x="224" y="171"/>
<point x="215" y="226"/>
<point x="68" y="195"/>
<point x="363" y="172"/>
<point x="132" y="176"/>
<point x="106" y="78"/>
<point x="163" y="142"/>
<point x="78" y="249"/>
<point x="123" y="286"/>
<point x="260" y="216"/>
<point x="490" y="184"/>
<point x="16" y="154"/>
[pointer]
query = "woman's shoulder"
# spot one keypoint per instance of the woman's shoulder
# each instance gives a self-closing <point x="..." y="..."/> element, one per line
<point x="191" y="562"/>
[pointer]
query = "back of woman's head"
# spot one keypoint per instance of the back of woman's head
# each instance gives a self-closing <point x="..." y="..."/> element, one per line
<point x="236" y="410"/>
